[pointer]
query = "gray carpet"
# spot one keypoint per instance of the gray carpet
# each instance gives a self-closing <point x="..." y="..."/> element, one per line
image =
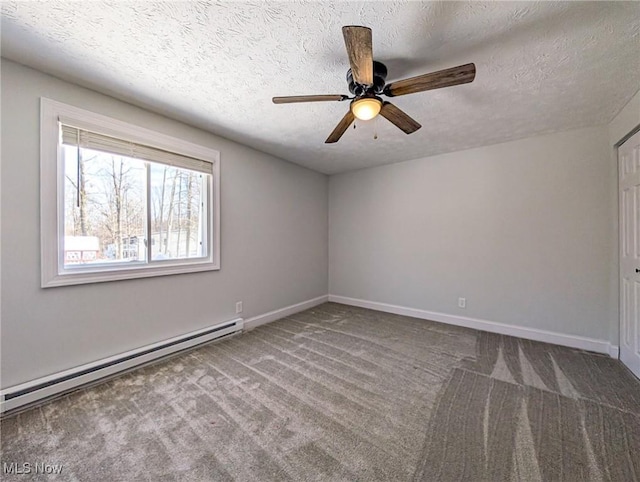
<point x="343" y="393"/>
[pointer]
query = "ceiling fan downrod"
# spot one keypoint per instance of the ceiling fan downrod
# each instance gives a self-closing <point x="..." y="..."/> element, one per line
<point x="379" y="81"/>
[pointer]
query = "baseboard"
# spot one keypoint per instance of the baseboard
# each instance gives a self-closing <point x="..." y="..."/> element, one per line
<point x="572" y="341"/>
<point x="282" y="312"/>
<point x="614" y="351"/>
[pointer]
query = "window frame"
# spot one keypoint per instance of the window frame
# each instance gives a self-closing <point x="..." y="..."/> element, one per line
<point x="53" y="272"/>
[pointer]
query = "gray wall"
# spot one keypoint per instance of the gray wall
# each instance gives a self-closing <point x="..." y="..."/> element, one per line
<point x="526" y="231"/>
<point x="626" y="120"/>
<point x="522" y="230"/>
<point x="274" y="245"/>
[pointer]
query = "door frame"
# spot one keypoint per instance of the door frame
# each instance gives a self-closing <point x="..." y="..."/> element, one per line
<point x="615" y="353"/>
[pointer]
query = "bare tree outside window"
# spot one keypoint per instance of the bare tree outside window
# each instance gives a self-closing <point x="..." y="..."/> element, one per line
<point x="176" y="204"/>
<point x="106" y="203"/>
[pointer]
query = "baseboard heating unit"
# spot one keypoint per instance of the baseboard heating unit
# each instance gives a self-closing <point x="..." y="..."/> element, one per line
<point x="61" y="382"/>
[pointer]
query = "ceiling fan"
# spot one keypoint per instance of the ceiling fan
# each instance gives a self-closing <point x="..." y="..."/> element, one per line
<point x="367" y="81"/>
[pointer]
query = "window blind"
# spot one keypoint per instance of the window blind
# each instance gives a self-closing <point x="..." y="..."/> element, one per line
<point x="73" y="136"/>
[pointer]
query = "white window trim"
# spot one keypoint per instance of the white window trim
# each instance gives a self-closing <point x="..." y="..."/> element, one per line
<point x="51" y="188"/>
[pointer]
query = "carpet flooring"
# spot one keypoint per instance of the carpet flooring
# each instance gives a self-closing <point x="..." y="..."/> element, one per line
<point x="342" y="393"/>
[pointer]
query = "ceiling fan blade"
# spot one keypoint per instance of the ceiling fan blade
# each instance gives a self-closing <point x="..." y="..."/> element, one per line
<point x="399" y="118"/>
<point x="341" y="128"/>
<point x="360" y="52"/>
<point x="462" y="74"/>
<point x="291" y="99"/>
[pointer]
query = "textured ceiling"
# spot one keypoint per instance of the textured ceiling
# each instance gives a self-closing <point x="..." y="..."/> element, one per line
<point x="541" y="67"/>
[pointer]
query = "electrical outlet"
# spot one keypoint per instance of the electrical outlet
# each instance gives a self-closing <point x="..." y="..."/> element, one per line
<point x="462" y="302"/>
<point x="239" y="307"/>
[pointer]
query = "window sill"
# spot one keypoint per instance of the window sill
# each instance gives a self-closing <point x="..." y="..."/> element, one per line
<point x="84" y="276"/>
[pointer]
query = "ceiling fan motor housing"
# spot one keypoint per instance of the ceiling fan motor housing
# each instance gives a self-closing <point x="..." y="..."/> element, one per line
<point x="379" y="81"/>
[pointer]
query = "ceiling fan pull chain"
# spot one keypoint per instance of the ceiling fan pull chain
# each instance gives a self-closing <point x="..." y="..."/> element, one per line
<point x="375" y="128"/>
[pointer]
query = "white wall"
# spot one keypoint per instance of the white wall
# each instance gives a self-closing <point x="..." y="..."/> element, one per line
<point x="274" y="245"/>
<point x="522" y="230"/>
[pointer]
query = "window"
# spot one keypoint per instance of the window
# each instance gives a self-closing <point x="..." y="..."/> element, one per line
<point x="119" y="201"/>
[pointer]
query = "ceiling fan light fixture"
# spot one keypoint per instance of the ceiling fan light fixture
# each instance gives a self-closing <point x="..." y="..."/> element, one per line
<point x="366" y="108"/>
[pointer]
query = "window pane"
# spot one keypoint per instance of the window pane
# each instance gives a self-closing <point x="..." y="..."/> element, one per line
<point x="177" y="199"/>
<point x="104" y="208"/>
